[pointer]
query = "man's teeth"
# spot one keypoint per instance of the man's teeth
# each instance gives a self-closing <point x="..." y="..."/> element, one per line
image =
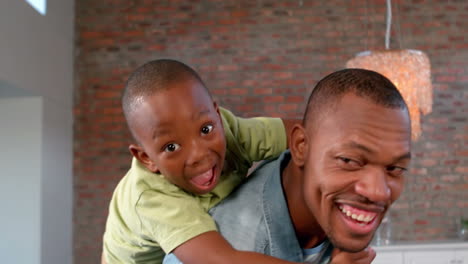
<point x="360" y="217"/>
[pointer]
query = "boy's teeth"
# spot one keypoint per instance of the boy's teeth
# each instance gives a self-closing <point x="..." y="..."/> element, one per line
<point x="358" y="217"/>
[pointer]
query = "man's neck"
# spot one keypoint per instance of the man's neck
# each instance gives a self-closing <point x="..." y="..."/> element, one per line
<point x="308" y="231"/>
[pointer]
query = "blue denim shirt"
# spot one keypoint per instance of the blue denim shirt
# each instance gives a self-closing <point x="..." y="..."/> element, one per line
<point x="255" y="217"/>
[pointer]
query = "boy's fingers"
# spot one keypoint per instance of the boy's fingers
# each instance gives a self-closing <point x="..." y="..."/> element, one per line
<point x="362" y="257"/>
<point x="364" y="253"/>
<point x="335" y="252"/>
<point x="372" y="253"/>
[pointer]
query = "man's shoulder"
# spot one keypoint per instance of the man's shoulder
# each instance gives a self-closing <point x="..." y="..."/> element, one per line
<point x="242" y="217"/>
<point x="240" y="200"/>
<point x="253" y="185"/>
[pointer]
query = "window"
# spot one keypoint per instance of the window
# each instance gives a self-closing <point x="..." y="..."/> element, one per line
<point x="39" y="5"/>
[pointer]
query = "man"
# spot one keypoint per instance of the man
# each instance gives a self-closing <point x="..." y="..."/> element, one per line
<point x="331" y="191"/>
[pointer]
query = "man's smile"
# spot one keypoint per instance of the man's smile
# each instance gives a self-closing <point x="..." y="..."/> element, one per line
<point x="359" y="221"/>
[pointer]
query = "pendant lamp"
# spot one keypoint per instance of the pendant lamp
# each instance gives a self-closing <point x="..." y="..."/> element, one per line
<point x="408" y="69"/>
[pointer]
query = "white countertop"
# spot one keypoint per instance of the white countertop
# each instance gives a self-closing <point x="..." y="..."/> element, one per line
<point x="422" y="245"/>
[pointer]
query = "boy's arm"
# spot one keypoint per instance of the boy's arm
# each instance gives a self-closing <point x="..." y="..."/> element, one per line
<point x="103" y="261"/>
<point x="212" y="248"/>
<point x="257" y="138"/>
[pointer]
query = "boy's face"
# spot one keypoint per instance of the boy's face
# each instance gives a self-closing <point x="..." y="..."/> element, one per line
<point x="181" y="136"/>
<point x="353" y="169"/>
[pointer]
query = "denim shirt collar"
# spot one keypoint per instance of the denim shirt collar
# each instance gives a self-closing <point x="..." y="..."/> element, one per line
<point x="283" y="242"/>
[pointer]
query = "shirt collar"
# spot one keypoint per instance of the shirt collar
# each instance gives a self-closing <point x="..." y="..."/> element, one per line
<point x="283" y="241"/>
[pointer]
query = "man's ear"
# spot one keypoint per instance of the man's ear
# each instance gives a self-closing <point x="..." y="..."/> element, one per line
<point x="298" y="145"/>
<point x="142" y="157"/>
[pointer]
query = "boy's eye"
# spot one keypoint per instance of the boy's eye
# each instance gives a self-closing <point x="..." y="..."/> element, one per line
<point x="207" y="129"/>
<point x="171" y="147"/>
<point x="395" y="170"/>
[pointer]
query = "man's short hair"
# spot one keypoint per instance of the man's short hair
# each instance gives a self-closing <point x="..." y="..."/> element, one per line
<point x="154" y="76"/>
<point x="363" y="83"/>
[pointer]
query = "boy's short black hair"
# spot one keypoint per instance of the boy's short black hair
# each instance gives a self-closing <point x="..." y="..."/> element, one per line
<point x="153" y="76"/>
<point x="363" y="83"/>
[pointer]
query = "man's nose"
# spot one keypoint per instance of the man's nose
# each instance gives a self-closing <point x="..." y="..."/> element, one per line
<point x="373" y="185"/>
<point x="197" y="153"/>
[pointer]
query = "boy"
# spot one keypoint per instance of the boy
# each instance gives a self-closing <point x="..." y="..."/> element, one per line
<point x="189" y="155"/>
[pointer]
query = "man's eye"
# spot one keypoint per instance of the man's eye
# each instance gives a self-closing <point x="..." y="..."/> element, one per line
<point x="395" y="170"/>
<point x="207" y="129"/>
<point x="171" y="147"/>
<point x="345" y="160"/>
<point x="349" y="163"/>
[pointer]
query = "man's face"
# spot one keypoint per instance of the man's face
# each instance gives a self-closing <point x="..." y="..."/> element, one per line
<point x="355" y="159"/>
<point x="182" y="136"/>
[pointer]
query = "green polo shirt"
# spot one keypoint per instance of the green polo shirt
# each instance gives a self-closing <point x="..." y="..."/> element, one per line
<point x="149" y="216"/>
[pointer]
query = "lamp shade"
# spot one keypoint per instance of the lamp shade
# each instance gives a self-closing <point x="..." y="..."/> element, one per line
<point x="410" y="71"/>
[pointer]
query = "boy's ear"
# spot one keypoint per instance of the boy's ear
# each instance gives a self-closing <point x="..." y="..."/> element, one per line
<point x="298" y="145"/>
<point x="142" y="157"/>
<point x="216" y="107"/>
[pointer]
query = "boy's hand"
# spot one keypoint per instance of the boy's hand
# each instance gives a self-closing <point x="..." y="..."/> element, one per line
<point x="363" y="257"/>
<point x="103" y="261"/>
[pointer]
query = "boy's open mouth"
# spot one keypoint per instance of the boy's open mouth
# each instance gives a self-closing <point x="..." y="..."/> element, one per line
<point x="205" y="180"/>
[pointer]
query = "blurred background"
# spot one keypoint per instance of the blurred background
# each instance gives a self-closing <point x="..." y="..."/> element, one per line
<point x="62" y="70"/>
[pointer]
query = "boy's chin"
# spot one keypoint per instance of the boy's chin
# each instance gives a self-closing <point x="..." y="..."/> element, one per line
<point x="201" y="191"/>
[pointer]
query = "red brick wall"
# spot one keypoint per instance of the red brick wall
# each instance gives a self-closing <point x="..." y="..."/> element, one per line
<point x="262" y="58"/>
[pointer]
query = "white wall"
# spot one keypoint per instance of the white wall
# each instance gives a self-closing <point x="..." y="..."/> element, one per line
<point x="37" y="51"/>
<point x="57" y="185"/>
<point x="20" y="179"/>
<point x="36" y="69"/>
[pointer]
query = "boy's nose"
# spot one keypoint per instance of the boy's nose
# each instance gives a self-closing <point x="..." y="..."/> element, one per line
<point x="197" y="154"/>
<point x="374" y="186"/>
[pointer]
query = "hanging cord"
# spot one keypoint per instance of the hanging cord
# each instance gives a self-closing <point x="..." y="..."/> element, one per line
<point x="367" y="25"/>
<point x="389" y="24"/>
<point x="400" y="42"/>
